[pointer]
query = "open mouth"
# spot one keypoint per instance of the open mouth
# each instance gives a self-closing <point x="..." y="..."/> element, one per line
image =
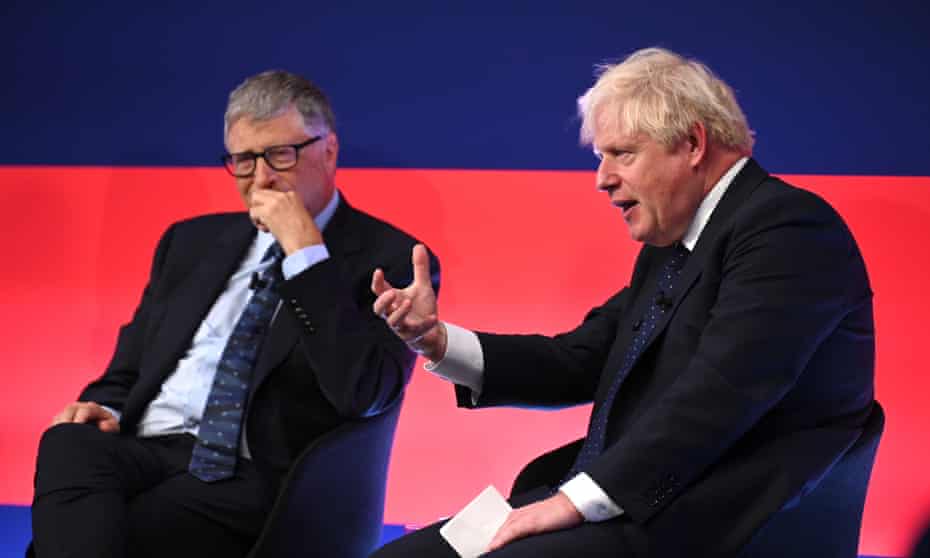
<point x="626" y="204"/>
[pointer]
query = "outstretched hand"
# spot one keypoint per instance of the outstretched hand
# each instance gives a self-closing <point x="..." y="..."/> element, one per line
<point x="411" y="312"/>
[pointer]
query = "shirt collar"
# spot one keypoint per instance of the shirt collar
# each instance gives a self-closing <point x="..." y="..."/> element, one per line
<point x="709" y="203"/>
<point x="323" y="218"/>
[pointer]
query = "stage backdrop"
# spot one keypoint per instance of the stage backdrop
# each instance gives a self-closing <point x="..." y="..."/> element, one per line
<point x="458" y="125"/>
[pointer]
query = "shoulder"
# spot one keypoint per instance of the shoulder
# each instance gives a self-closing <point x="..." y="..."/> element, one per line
<point x="793" y="229"/>
<point x="374" y="233"/>
<point x="380" y="243"/>
<point x="195" y="234"/>
<point x="767" y="205"/>
<point x="364" y="222"/>
<point x="776" y="194"/>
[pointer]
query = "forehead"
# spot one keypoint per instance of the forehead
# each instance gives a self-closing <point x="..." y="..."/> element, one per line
<point x="612" y="134"/>
<point x="247" y="134"/>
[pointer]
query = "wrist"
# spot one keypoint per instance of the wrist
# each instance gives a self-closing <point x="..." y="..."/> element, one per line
<point x="294" y="244"/>
<point x="432" y="344"/>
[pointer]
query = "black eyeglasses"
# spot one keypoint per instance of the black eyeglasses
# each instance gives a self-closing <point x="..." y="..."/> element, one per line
<point x="278" y="157"/>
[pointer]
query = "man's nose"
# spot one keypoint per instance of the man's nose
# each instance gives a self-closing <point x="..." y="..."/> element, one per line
<point x="264" y="174"/>
<point x="605" y="178"/>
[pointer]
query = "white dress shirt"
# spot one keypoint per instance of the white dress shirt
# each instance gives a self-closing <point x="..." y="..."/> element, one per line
<point x="178" y="407"/>
<point x="463" y="363"/>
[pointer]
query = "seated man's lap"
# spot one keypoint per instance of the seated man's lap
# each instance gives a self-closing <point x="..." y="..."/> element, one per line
<point x="592" y="540"/>
<point x="217" y="519"/>
<point x="142" y="485"/>
<point x="81" y="456"/>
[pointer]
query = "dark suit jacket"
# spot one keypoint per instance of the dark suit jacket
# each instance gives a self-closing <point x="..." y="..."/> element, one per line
<point x="327" y="358"/>
<point x="754" y="384"/>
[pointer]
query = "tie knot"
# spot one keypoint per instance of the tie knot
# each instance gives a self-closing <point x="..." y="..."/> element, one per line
<point x="274" y="252"/>
<point x="679" y="257"/>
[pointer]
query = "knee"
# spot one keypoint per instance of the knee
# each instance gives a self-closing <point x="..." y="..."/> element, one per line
<point x="67" y="440"/>
<point x="66" y="447"/>
<point x="424" y="542"/>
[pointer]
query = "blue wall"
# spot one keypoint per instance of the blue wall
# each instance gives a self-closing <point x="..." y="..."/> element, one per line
<point x="831" y="87"/>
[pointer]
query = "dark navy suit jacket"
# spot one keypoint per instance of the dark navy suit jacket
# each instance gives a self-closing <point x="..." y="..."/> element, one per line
<point x="755" y="383"/>
<point x="327" y="359"/>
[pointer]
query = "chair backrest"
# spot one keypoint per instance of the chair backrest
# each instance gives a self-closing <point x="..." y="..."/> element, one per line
<point x="825" y="523"/>
<point x="332" y="501"/>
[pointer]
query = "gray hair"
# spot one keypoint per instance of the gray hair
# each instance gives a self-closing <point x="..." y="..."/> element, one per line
<point x="662" y="94"/>
<point x="268" y="94"/>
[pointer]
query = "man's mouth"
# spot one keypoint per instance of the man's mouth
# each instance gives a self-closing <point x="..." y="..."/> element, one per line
<point x="626" y="205"/>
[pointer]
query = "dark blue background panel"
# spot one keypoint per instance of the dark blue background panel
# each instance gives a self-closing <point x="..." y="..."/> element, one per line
<point x="831" y="88"/>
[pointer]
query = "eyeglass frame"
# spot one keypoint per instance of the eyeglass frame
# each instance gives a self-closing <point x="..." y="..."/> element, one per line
<point x="227" y="158"/>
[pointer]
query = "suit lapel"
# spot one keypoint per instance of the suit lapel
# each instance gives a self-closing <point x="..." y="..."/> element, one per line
<point x="196" y="292"/>
<point x="742" y="186"/>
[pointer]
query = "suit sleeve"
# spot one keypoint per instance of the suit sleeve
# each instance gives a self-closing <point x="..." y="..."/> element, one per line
<point x="539" y="371"/>
<point x="112" y="388"/>
<point x="788" y="278"/>
<point x="360" y="364"/>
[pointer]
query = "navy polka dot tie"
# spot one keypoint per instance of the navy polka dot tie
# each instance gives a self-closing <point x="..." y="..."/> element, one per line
<point x="214" y="454"/>
<point x="661" y="303"/>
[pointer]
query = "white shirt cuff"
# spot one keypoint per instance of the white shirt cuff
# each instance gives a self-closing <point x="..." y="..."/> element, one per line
<point x="463" y="363"/>
<point x="113" y="412"/>
<point x="592" y="502"/>
<point x="303" y="259"/>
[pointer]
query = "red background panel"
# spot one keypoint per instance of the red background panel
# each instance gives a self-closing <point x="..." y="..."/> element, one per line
<point x="521" y="251"/>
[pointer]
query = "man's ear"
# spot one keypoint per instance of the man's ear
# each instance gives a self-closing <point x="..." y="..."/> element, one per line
<point x="332" y="149"/>
<point x="697" y="143"/>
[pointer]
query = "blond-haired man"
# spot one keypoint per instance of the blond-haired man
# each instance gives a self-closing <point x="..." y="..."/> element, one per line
<point x="727" y="376"/>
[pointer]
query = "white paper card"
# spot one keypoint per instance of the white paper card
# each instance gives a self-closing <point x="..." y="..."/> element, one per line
<point x="471" y="530"/>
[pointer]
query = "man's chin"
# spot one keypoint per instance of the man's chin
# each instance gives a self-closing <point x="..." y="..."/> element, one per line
<point x="260" y="226"/>
<point x="637" y="235"/>
<point x="651" y="240"/>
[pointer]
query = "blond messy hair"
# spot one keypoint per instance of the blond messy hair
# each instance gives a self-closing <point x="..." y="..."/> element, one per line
<point x="661" y="94"/>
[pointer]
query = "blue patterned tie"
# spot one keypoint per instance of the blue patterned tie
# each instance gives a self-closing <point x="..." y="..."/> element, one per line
<point x="214" y="454"/>
<point x="661" y="303"/>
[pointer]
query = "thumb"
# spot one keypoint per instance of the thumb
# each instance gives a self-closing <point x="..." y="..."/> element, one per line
<point x="108" y="425"/>
<point x="378" y="283"/>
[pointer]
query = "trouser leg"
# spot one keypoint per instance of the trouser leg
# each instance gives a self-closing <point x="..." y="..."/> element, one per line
<point x="607" y="539"/>
<point x="104" y="495"/>
<point x="83" y="480"/>
<point x="184" y="517"/>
